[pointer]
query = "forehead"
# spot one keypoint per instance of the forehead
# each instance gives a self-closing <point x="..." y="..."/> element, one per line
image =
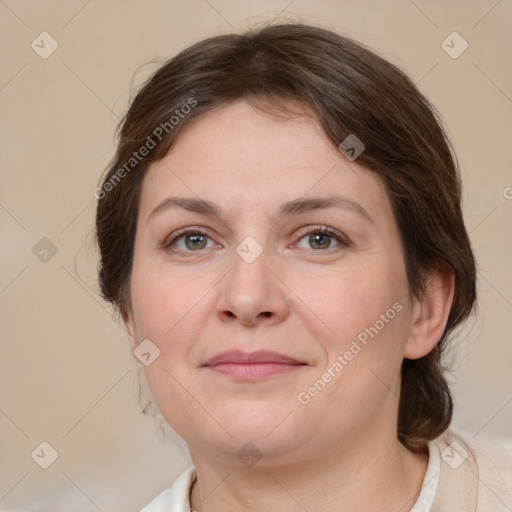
<point x="238" y="152"/>
<point x="237" y="136"/>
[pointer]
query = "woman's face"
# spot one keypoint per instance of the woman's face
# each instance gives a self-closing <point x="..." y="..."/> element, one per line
<point x="263" y="275"/>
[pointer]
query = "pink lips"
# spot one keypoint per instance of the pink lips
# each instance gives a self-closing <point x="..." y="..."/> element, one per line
<point x="252" y="366"/>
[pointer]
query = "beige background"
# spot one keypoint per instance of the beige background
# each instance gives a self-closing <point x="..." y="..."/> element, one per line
<point x="66" y="374"/>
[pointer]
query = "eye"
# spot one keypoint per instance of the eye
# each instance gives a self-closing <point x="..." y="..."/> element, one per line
<point x="189" y="241"/>
<point x="321" y="238"/>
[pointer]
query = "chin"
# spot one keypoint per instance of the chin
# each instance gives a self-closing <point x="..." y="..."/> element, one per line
<point x="273" y="429"/>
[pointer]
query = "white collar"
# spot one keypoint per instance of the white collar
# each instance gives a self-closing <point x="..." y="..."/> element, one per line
<point x="175" y="498"/>
<point x="429" y="485"/>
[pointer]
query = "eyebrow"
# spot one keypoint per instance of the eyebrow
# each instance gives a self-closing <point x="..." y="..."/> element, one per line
<point x="294" y="207"/>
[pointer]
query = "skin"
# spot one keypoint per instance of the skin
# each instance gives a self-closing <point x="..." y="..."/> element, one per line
<point x="300" y="298"/>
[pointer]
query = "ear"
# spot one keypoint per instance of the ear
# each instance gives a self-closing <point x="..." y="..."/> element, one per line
<point x="430" y="313"/>
<point x="129" y="325"/>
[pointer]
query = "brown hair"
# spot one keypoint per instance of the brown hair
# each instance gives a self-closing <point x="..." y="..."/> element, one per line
<point x="350" y="90"/>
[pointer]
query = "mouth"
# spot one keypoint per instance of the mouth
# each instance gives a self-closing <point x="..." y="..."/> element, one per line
<point x="253" y="366"/>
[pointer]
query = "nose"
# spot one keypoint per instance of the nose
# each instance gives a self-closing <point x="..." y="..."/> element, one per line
<point x="253" y="293"/>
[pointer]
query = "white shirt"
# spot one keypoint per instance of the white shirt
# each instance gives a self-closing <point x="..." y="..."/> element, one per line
<point x="175" y="498"/>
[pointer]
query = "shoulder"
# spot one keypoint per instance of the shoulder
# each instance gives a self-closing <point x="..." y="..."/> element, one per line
<point x="175" y="498"/>
<point x="475" y="474"/>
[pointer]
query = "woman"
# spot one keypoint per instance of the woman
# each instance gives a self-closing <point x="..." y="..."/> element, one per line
<point x="281" y="232"/>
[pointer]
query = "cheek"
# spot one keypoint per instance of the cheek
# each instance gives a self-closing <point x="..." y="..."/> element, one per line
<point x="162" y="300"/>
<point x="170" y="309"/>
<point x="366" y="312"/>
<point x="344" y="303"/>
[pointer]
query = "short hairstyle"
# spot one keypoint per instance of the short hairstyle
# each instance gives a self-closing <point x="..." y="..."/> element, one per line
<point x="350" y="91"/>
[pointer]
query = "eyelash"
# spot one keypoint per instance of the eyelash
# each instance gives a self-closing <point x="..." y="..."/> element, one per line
<point x="338" y="237"/>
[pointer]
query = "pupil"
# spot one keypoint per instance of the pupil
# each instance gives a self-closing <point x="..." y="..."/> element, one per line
<point x="320" y="240"/>
<point x="195" y="241"/>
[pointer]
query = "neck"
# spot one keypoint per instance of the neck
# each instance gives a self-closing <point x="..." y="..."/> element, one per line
<point x="370" y="476"/>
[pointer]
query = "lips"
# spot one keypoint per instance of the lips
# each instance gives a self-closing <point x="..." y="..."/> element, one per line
<point x="244" y="366"/>
<point x="260" y="357"/>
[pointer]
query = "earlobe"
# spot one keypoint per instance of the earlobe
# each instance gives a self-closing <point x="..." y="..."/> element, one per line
<point x="130" y="330"/>
<point x="430" y="313"/>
